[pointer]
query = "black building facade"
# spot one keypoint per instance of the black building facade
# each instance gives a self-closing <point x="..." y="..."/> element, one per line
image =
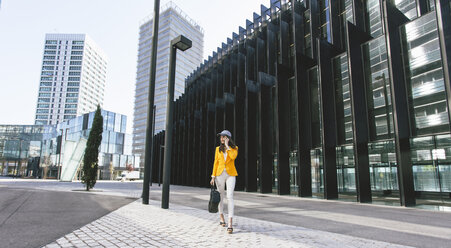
<point x="327" y="98"/>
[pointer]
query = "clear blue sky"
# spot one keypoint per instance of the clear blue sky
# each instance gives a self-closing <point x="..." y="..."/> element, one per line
<point x="113" y="25"/>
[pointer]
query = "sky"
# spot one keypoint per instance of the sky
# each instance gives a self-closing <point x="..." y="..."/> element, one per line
<point x="113" y="25"/>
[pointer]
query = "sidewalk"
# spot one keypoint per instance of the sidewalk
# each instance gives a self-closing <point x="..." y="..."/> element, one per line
<point x="138" y="225"/>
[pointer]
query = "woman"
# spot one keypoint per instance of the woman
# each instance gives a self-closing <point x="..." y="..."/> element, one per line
<point x="224" y="173"/>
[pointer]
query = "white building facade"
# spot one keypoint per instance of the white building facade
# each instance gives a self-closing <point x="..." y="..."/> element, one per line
<point x="173" y="22"/>
<point x="73" y="78"/>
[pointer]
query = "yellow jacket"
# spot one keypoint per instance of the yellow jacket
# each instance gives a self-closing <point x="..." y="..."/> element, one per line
<point x="229" y="164"/>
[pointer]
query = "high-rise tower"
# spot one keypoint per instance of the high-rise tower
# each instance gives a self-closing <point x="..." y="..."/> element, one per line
<point x="72" y="78"/>
<point x="173" y="22"/>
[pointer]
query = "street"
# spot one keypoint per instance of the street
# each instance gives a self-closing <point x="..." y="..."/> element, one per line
<point x="34" y="217"/>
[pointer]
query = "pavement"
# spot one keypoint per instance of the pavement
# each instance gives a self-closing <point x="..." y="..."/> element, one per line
<point x="260" y="221"/>
<point x="33" y="217"/>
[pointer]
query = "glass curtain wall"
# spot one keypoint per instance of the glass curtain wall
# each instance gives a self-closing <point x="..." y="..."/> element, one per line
<point x="431" y="158"/>
<point x="381" y="151"/>
<point x="115" y="147"/>
<point x="345" y="15"/>
<point x="20" y="149"/>
<point x="378" y="89"/>
<point x="408" y="7"/>
<point x="344" y="150"/>
<point x="275" y="122"/>
<point x="294" y="134"/>
<point x="383" y="169"/>
<point x="316" y="153"/>
<point x="431" y="154"/>
<point x="325" y="30"/>
<point x="346" y="170"/>
<point x="374" y="18"/>
<point x="425" y="76"/>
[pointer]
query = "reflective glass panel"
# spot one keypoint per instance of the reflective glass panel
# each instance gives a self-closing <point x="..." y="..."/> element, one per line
<point x="424" y="75"/>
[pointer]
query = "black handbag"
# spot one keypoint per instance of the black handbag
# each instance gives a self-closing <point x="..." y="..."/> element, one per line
<point x="215" y="198"/>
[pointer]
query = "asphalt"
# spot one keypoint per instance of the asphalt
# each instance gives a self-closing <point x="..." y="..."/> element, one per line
<point x="33" y="217"/>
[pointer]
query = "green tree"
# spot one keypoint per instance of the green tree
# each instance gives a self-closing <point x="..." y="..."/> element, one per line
<point x="91" y="157"/>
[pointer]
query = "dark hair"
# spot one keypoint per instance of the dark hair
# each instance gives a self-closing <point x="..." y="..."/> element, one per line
<point x="231" y="144"/>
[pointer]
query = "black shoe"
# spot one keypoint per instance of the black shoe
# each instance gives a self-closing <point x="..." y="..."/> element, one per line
<point x="223" y="224"/>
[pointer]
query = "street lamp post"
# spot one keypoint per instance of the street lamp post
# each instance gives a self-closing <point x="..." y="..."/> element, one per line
<point x="182" y="43"/>
<point x="59" y="157"/>
<point x="150" y="108"/>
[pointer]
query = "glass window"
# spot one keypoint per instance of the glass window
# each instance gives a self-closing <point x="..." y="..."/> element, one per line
<point x="43" y="99"/>
<point x="431" y="159"/>
<point x="316" y="158"/>
<point x="315" y="99"/>
<point x="383" y="167"/>
<point x="343" y="99"/>
<point x="71" y="94"/>
<point x="44" y="94"/>
<point x="425" y="76"/>
<point x="374" y="25"/>
<point x="70" y="106"/>
<point x="70" y="111"/>
<point x="345" y="169"/>
<point x="110" y="119"/>
<point x="408" y="7"/>
<point x="378" y="89"/>
<point x="45" y="89"/>
<point x="42" y="111"/>
<point x="325" y="30"/>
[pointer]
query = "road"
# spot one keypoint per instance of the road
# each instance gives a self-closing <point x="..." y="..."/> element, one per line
<point x="35" y="217"/>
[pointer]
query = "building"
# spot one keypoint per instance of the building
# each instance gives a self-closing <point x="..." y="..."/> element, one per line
<point x="330" y="99"/>
<point x="56" y="151"/>
<point x="72" y="78"/>
<point x="173" y="22"/>
<point x="20" y="146"/>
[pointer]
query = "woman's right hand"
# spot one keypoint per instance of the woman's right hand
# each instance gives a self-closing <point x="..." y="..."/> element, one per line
<point x="212" y="181"/>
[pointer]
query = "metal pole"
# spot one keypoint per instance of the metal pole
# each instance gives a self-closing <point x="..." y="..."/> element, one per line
<point x="59" y="160"/>
<point x="168" y="131"/>
<point x="159" y="165"/>
<point x="149" y="126"/>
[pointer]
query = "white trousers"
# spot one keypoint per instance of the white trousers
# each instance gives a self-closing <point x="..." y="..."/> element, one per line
<point x="221" y="181"/>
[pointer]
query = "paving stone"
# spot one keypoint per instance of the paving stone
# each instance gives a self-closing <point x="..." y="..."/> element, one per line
<point x="53" y="246"/>
<point x="138" y="225"/>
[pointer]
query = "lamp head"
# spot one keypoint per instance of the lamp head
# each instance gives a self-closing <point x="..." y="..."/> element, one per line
<point x="181" y="42"/>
